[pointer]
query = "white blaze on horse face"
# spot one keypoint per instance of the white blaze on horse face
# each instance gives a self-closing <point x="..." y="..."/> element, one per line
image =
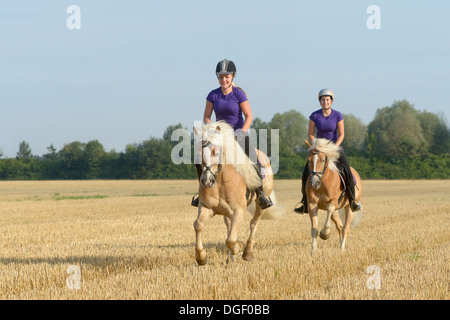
<point x="211" y="155"/>
<point x="315" y="180"/>
<point x="211" y="158"/>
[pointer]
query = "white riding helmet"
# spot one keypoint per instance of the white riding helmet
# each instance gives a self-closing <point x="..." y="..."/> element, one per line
<point x="326" y="92"/>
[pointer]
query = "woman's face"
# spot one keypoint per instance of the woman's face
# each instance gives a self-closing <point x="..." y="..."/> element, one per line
<point x="325" y="102"/>
<point x="225" y="80"/>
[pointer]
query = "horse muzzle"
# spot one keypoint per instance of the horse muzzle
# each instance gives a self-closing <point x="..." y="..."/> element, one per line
<point x="315" y="182"/>
<point x="208" y="179"/>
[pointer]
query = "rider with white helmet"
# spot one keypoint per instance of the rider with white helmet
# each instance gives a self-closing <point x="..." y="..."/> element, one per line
<point x="329" y="124"/>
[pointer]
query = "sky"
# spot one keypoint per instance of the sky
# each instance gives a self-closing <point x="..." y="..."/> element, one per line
<point x="121" y="72"/>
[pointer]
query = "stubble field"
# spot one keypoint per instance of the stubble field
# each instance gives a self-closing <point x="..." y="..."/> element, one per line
<point x="135" y="240"/>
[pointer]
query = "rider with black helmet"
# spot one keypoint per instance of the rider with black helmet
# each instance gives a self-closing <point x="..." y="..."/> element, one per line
<point x="230" y="104"/>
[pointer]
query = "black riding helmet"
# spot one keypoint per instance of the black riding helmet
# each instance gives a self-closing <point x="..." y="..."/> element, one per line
<point x="226" y="67"/>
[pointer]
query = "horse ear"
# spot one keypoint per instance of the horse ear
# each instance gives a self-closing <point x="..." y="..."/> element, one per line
<point x="307" y="143"/>
<point x="195" y="130"/>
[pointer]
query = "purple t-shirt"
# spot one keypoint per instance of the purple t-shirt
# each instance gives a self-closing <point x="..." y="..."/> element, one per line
<point x="226" y="107"/>
<point x="326" y="126"/>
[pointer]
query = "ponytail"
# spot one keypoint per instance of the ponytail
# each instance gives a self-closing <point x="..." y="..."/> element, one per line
<point x="234" y="85"/>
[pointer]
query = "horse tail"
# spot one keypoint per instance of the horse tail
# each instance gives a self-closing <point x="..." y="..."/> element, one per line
<point x="357" y="216"/>
<point x="275" y="212"/>
<point x="249" y="174"/>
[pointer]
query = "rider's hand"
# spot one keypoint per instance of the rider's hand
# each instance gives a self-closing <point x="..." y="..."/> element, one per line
<point x="239" y="134"/>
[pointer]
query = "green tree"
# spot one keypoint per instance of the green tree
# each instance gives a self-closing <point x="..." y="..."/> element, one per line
<point x="396" y="132"/>
<point x="292" y="131"/>
<point x="24" y="152"/>
<point x="93" y="156"/>
<point x="435" y="131"/>
<point x="72" y="164"/>
<point x="168" y="132"/>
<point x="355" y="133"/>
<point x="52" y="153"/>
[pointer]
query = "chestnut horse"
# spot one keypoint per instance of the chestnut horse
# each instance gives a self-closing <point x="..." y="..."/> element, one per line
<point x="225" y="189"/>
<point x="325" y="191"/>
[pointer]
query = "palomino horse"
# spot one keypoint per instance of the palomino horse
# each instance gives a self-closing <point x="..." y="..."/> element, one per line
<point x="324" y="190"/>
<point x="225" y="186"/>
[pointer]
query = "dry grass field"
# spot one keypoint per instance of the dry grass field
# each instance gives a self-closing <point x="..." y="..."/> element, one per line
<point x="135" y="240"/>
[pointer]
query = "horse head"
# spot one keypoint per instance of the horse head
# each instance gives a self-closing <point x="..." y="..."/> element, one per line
<point x="211" y="154"/>
<point x="317" y="162"/>
<point x="322" y="154"/>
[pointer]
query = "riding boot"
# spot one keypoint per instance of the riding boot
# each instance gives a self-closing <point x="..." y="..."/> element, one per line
<point x="263" y="200"/>
<point x="195" y="200"/>
<point x="304" y="207"/>
<point x="354" y="205"/>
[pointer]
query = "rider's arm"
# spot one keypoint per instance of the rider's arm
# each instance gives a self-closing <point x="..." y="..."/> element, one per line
<point x="340" y="132"/>
<point x="208" y="112"/>
<point x="247" y="112"/>
<point x="311" y="129"/>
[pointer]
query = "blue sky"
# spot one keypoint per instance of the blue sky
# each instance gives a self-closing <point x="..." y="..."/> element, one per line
<point x="136" y="67"/>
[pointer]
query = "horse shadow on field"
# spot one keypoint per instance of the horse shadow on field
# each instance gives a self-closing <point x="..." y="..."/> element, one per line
<point x="112" y="261"/>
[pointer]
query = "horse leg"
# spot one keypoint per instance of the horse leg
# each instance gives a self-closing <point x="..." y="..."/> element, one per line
<point x="338" y="222"/>
<point x="254" y="223"/>
<point x="228" y="224"/>
<point x="314" y="231"/>
<point x="326" y="230"/>
<point x="200" y="252"/>
<point x="232" y="243"/>
<point x="348" y="222"/>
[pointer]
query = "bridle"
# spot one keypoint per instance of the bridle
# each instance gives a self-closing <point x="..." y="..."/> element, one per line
<point x="321" y="173"/>
<point x="208" y="168"/>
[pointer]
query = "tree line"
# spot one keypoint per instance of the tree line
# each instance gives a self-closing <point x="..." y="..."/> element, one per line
<point x="401" y="142"/>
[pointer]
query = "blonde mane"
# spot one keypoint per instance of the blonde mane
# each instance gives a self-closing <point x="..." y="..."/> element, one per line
<point x="224" y="138"/>
<point x="329" y="148"/>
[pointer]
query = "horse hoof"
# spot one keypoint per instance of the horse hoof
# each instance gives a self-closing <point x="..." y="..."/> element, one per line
<point x="202" y="262"/>
<point x="201" y="258"/>
<point x="248" y="256"/>
<point x="325" y="233"/>
<point x="235" y="246"/>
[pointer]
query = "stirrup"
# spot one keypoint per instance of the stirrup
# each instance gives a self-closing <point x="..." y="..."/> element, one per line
<point x="264" y="201"/>
<point x="195" y="201"/>
<point x="355" y="206"/>
<point x="302" y="209"/>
